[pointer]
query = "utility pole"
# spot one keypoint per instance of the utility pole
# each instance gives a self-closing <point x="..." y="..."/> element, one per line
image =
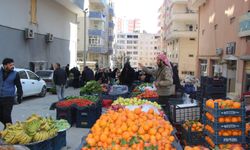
<point x="85" y="37"/>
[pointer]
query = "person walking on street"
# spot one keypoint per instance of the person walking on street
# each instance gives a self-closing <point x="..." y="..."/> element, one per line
<point x="9" y="79"/>
<point x="127" y="76"/>
<point x="60" y="78"/>
<point x="67" y="72"/>
<point x="164" y="80"/>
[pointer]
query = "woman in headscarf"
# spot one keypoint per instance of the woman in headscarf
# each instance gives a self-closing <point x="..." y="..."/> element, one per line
<point x="163" y="80"/>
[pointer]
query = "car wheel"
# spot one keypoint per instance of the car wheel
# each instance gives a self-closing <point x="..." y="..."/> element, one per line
<point x="43" y="91"/>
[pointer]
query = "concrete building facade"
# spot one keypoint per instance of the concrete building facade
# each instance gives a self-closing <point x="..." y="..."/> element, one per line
<point x="179" y="35"/>
<point x="136" y="48"/>
<point x="224" y="47"/>
<point x="37" y="33"/>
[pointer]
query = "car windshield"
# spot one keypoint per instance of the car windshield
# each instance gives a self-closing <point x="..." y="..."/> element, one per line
<point x="44" y="73"/>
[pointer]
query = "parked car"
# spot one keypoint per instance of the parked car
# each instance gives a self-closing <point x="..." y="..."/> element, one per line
<point x="32" y="84"/>
<point x="47" y="76"/>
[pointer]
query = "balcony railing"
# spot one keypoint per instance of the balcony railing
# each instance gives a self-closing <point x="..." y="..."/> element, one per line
<point x="181" y="33"/>
<point x="96" y="15"/>
<point x="96" y="32"/>
<point x="96" y="49"/>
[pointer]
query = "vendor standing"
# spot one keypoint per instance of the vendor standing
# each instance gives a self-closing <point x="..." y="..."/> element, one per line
<point x="163" y="80"/>
<point x="9" y="79"/>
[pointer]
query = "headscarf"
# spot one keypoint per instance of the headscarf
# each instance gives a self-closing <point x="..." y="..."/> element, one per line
<point x="164" y="59"/>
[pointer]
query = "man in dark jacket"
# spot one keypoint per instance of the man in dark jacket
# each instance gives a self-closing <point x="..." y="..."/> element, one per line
<point x="87" y="74"/>
<point x="60" y="78"/>
<point x="8" y="80"/>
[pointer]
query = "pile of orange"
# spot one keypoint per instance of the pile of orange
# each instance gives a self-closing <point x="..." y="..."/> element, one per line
<point x="223" y="104"/>
<point x="209" y="116"/>
<point x="247" y="128"/>
<point x="195" y="126"/>
<point x="130" y="130"/>
<point x="209" y="129"/>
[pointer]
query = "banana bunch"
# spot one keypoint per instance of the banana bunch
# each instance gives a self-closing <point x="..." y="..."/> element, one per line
<point x="52" y="132"/>
<point x="31" y="127"/>
<point x="41" y="136"/>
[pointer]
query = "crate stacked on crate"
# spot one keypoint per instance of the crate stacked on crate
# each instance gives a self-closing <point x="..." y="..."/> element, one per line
<point x="213" y="88"/>
<point x="192" y="133"/>
<point x="224" y="122"/>
<point x="180" y="112"/>
<point x="248" y="135"/>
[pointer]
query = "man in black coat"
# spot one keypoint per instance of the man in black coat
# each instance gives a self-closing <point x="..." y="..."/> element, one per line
<point x="87" y="74"/>
<point x="60" y="78"/>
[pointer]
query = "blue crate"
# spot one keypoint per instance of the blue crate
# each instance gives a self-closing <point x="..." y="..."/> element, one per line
<point x="45" y="145"/>
<point x="224" y="140"/>
<point x="216" y="112"/>
<point x="192" y="138"/>
<point x="59" y="141"/>
<point x="223" y="126"/>
<point x="86" y="117"/>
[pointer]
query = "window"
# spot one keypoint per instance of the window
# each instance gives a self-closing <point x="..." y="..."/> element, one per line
<point x="190" y="55"/>
<point x="121" y="36"/>
<point x="136" y="36"/>
<point x="129" y="42"/>
<point x="129" y="36"/>
<point x="155" y="47"/>
<point x="23" y="75"/>
<point x="32" y="76"/>
<point x="134" y="58"/>
<point x="135" y="47"/>
<point x="192" y="39"/>
<point x="94" y="40"/>
<point x="129" y="53"/>
<point x="121" y="41"/>
<point x="135" y="53"/>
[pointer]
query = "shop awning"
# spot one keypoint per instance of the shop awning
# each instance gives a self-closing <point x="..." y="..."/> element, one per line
<point x="245" y="57"/>
<point x="230" y="57"/>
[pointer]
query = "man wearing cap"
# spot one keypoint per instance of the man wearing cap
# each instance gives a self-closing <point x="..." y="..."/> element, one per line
<point x="9" y="79"/>
<point x="163" y="79"/>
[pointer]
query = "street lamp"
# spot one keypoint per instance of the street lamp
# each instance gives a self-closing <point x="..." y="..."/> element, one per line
<point x="85" y="37"/>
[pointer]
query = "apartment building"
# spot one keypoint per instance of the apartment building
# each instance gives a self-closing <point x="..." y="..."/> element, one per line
<point x="124" y="25"/>
<point x="37" y="33"/>
<point x="99" y="34"/>
<point x="224" y="46"/>
<point x="136" y="48"/>
<point x="179" y="34"/>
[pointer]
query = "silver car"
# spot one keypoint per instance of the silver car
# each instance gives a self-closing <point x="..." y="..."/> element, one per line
<point x="47" y="76"/>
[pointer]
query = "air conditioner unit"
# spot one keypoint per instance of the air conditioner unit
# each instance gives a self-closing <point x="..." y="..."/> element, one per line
<point x="29" y="33"/>
<point x="49" y="37"/>
<point x="219" y="51"/>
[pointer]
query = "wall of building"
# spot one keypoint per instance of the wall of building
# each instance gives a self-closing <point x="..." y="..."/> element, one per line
<point x="51" y="18"/>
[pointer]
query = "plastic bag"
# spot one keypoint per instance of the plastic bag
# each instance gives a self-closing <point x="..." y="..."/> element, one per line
<point x="118" y="90"/>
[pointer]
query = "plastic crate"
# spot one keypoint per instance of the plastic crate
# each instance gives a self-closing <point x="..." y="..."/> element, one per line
<point x="224" y="126"/>
<point x="86" y="117"/>
<point x="192" y="138"/>
<point x="180" y="114"/>
<point x="45" y="145"/>
<point x="224" y="140"/>
<point x="213" y="81"/>
<point x="59" y="141"/>
<point x="214" y="89"/>
<point x="216" y="112"/>
<point x="65" y="113"/>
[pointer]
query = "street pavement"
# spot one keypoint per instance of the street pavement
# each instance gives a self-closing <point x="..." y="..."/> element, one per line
<point x="41" y="105"/>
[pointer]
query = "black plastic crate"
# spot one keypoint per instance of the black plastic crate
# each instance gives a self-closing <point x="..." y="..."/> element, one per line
<point x="213" y="81"/>
<point x="192" y="138"/>
<point x="86" y="117"/>
<point x="59" y="141"/>
<point x="65" y="113"/>
<point x="214" y="89"/>
<point x="224" y="140"/>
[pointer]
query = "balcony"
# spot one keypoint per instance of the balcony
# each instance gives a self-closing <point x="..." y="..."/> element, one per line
<point x="95" y="15"/>
<point x="181" y="34"/>
<point x="195" y="4"/>
<point x="111" y="11"/>
<point x="184" y="16"/>
<point x="100" y="3"/>
<point x="111" y="24"/>
<point x="111" y="38"/>
<point x="178" y="2"/>
<point x="96" y="49"/>
<point x="96" y="32"/>
<point x="75" y="6"/>
<point x="244" y="25"/>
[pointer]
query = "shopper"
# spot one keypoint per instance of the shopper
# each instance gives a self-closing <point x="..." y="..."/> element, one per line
<point x="164" y="80"/>
<point x="76" y="73"/>
<point x="87" y="75"/>
<point x="9" y="79"/>
<point x="60" y="78"/>
<point x="127" y="76"/>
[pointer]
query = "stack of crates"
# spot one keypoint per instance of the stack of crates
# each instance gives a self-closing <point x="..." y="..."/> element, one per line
<point x="224" y="132"/>
<point x="213" y="88"/>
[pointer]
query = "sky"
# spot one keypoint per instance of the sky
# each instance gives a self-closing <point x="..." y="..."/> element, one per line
<point x="145" y="10"/>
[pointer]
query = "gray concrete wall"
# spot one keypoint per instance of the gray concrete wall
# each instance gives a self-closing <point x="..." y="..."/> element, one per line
<point x="14" y="45"/>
